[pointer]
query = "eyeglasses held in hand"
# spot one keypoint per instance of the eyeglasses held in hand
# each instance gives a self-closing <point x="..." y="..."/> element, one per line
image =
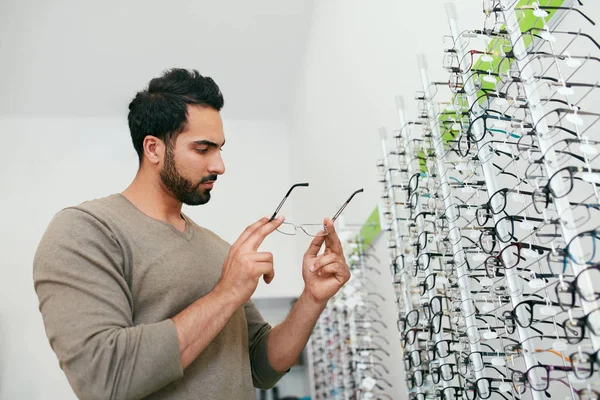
<point x="288" y="228"/>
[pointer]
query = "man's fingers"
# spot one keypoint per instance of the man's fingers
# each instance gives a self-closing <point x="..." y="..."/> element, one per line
<point x="268" y="278"/>
<point x="324" y="260"/>
<point x="266" y="270"/>
<point x="339" y="271"/>
<point x="262" y="263"/>
<point x="249" y="230"/>
<point x="256" y="238"/>
<point x="315" y="245"/>
<point x="263" y="256"/>
<point x="332" y="241"/>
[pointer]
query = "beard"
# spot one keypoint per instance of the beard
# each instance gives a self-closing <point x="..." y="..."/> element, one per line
<point x="183" y="189"/>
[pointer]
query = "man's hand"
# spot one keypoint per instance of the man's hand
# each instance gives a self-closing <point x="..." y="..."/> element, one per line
<point x="242" y="269"/>
<point x="244" y="265"/>
<point x="324" y="275"/>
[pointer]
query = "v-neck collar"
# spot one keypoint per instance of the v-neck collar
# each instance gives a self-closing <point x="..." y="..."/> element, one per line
<point x="187" y="232"/>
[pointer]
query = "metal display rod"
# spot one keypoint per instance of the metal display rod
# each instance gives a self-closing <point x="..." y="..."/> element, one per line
<point x="515" y="286"/>
<point x="459" y="259"/>
<point x="537" y="112"/>
<point x="408" y="145"/>
<point x="395" y="227"/>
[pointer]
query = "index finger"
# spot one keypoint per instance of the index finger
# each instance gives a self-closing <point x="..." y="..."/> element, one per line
<point x="256" y="238"/>
<point x="249" y="231"/>
<point x="332" y="241"/>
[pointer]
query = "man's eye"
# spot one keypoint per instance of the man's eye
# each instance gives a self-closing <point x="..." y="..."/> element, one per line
<point x="202" y="151"/>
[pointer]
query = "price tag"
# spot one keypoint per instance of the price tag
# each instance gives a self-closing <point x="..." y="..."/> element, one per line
<point x="574" y="119"/>
<point x="486" y="282"/>
<point x="559" y="345"/>
<point x="487" y="307"/>
<point x="537" y="283"/>
<point x="547" y="36"/>
<point x="423" y="335"/>
<point x="369" y="383"/>
<point x="501" y="101"/>
<point x="505" y="387"/>
<point x="518" y="197"/>
<point x="573" y="63"/>
<point x="487" y="58"/>
<point x="349" y="290"/>
<point x="498" y="361"/>
<point x="489" y="335"/>
<point x="351" y="303"/>
<point x="505" y="148"/>
<point x="489" y="79"/>
<point x="565" y="91"/>
<point x="526" y="225"/>
<point x="549" y="311"/>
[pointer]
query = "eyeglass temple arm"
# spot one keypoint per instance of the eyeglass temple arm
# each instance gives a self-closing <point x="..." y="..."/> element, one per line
<point x="285" y="198"/>
<point x="569" y="8"/>
<point x="337" y="214"/>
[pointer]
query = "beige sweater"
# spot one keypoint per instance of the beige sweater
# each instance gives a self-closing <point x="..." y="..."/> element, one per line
<point x="109" y="278"/>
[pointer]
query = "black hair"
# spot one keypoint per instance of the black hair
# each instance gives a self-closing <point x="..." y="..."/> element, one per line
<point x="161" y="109"/>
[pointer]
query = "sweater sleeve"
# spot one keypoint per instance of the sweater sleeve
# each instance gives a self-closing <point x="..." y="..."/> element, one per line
<point x="86" y="306"/>
<point x="263" y="374"/>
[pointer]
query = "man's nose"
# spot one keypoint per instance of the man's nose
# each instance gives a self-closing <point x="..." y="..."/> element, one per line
<point x="217" y="165"/>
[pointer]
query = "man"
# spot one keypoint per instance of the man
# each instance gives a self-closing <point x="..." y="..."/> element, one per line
<point x="140" y="302"/>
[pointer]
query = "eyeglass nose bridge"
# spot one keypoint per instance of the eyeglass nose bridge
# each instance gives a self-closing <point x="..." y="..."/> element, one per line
<point x="306" y="228"/>
<point x="313" y="230"/>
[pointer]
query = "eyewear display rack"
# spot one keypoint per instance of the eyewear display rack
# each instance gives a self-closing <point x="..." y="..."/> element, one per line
<point x="349" y="350"/>
<point x="491" y="205"/>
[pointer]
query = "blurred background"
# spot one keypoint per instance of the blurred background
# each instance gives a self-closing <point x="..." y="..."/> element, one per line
<point x="306" y="84"/>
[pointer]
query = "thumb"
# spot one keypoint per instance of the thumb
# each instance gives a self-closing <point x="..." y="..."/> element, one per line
<point x="315" y="245"/>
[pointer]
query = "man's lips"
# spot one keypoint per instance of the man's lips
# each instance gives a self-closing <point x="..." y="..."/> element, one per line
<point x="209" y="184"/>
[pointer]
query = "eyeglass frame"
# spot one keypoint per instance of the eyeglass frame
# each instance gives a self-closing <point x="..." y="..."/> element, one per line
<point x="337" y="214"/>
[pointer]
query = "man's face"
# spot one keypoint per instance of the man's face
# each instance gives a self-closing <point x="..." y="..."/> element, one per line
<point x="193" y="162"/>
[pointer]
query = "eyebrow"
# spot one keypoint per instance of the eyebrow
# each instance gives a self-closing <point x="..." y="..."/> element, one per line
<point x="208" y="143"/>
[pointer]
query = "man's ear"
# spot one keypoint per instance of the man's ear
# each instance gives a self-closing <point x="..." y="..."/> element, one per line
<point x="154" y="149"/>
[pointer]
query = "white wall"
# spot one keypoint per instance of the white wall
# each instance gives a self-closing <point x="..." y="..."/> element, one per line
<point x="358" y="59"/>
<point x="48" y="164"/>
<point x="51" y="49"/>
